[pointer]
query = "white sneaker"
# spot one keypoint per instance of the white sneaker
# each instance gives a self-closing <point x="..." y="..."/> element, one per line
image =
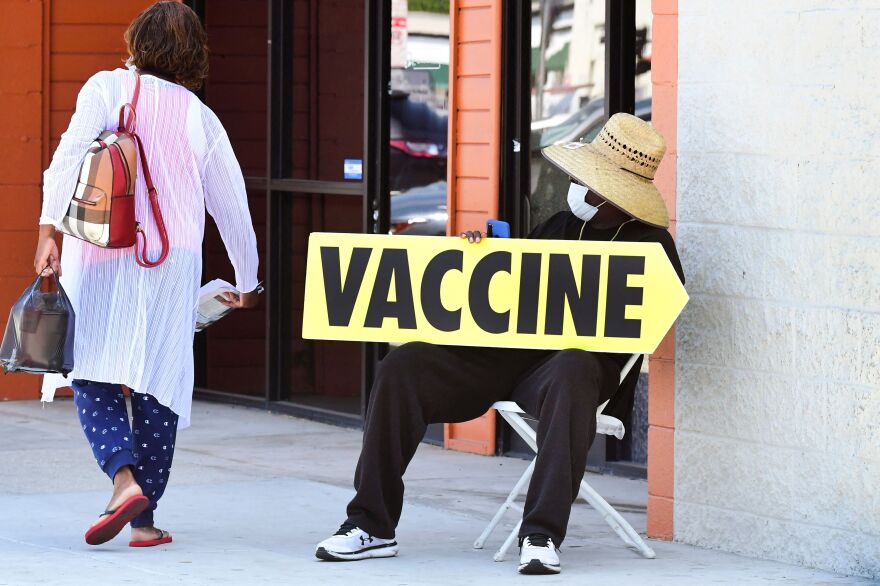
<point x="352" y="543"/>
<point x="537" y="555"/>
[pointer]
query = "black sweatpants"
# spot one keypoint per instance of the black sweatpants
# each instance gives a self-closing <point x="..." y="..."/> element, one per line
<point x="418" y="384"/>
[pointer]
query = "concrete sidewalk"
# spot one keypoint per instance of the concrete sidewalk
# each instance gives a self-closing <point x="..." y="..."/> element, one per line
<point x="252" y="493"/>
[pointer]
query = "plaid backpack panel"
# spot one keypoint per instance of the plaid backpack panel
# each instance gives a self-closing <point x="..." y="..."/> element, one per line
<point x="102" y="208"/>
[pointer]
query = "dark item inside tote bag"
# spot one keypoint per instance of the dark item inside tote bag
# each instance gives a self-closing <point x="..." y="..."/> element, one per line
<point x="39" y="334"/>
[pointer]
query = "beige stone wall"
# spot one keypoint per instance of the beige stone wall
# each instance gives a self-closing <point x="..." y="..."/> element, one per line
<point x="778" y="353"/>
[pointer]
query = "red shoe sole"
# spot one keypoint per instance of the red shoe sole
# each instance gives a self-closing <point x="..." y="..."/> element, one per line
<point x="111" y="525"/>
<point x="150" y="542"/>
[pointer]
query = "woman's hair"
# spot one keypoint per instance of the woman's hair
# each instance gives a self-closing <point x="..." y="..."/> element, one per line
<point x="168" y="38"/>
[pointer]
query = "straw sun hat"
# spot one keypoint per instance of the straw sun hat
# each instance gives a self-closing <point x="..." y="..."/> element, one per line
<point x="619" y="166"/>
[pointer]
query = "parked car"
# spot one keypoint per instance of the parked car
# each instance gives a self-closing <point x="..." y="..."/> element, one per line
<point x="417" y="167"/>
<point x="418" y="138"/>
<point x="420" y="211"/>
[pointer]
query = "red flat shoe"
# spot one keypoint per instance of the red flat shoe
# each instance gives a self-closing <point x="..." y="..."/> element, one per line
<point x="164" y="537"/>
<point x="116" y="520"/>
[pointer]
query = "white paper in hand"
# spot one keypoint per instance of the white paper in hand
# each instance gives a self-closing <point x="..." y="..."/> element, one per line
<point x="210" y="307"/>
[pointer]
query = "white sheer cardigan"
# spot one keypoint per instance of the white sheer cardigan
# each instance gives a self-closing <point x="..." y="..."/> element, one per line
<point x="135" y="326"/>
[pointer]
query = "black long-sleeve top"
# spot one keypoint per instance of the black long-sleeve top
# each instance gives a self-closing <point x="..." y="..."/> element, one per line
<point x="567" y="226"/>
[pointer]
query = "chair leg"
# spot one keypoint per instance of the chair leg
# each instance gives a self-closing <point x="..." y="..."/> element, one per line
<point x="502" y="552"/>
<point x="517" y="490"/>
<point x="620" y="525"/>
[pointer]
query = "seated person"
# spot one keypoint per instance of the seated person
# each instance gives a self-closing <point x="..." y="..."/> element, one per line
<point x="612" y="197"/>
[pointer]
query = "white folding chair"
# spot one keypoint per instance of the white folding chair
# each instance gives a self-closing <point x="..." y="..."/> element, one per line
<point x="605" y="424"/>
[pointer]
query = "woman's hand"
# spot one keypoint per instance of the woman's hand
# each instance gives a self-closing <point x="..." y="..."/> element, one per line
<point x="473" y="236"/>
<point x="47" y="252"/>
<point x="240" y="300"/>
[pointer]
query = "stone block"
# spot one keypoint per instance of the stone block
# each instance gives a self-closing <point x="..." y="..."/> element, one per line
<point x="718" y="49"/>
<point x="741" y="333"/>
<point x="660" y="517"/>
<point x="661" y="458"/>
<point x="717" y="260"/>
<point x="836" y="345"/>
<point x="839" y="118"/>
<point x="750" y="406"/>
<point x="757" y="536"/>
<point x="737" y="188"/>
<point x="854" y="273"/>
<point x="661" y="393"/>
<point x="664" y="6"/>
<point x="835" y="195"/>
<point x="853" y="415"/>
<point x="843" y="32"/>
<point x="664" y="58"/>
<point x="664" y="102"/>
<point x="735" y="117"/>
<point x="768" y="480"/>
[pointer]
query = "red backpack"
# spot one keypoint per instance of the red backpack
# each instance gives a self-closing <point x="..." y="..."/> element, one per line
<point x="102" y="208"/>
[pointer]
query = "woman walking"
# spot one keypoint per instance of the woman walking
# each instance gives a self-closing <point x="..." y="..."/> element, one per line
<point x="135" y="325"/>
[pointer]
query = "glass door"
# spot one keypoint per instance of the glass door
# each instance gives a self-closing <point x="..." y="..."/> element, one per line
<point x="289" y="80"/>
<point x="317" y="183"/>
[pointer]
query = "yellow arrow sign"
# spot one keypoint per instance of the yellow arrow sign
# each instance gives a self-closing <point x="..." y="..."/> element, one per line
<point x="514" y="293"/>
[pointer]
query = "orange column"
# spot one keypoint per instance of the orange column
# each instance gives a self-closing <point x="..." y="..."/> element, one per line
<point x="474" y="151"/>
<point x="661" y="381"/>
<point x="21" y="116"/>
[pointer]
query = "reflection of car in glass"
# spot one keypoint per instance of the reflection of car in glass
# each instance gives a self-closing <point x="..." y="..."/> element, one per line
<point x="418" y="143"/>
<point x="549" y="186"/>
<point x="420" y="211"/>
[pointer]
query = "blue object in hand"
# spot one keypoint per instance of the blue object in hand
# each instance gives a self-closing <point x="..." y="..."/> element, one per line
<point x="497" y="229"/>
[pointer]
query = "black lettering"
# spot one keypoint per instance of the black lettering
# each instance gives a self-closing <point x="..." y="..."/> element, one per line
<point x="341" y="300"/>
<point x="437" y="315"/>
<point x="529" y="284"/>
<point x="562" y="290"/>
<point x="619" y="296"/>
<point x="478" y="292"/>
<point x="393" y="264"/>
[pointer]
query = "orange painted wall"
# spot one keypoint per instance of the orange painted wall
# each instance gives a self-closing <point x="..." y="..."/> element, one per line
<point x="661" y="381"/>
<point x="48" y="49"/>
<point x="22" y="38"/>
<point x="474" y="150"/>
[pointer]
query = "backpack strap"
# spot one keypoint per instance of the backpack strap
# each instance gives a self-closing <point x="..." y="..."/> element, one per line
<point x="140" y="252"/>
<point x="128" y="126"/>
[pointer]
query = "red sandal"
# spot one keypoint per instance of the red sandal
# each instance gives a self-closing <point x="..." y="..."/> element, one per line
<point x="164" y="537"/>
<point x="116" y="520"/>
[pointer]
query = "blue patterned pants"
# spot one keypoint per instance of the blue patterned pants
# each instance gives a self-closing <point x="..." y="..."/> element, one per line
<point x="147" y="445"/>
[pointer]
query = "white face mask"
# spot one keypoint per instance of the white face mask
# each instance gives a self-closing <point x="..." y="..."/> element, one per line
<point x="577" y="203"/>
